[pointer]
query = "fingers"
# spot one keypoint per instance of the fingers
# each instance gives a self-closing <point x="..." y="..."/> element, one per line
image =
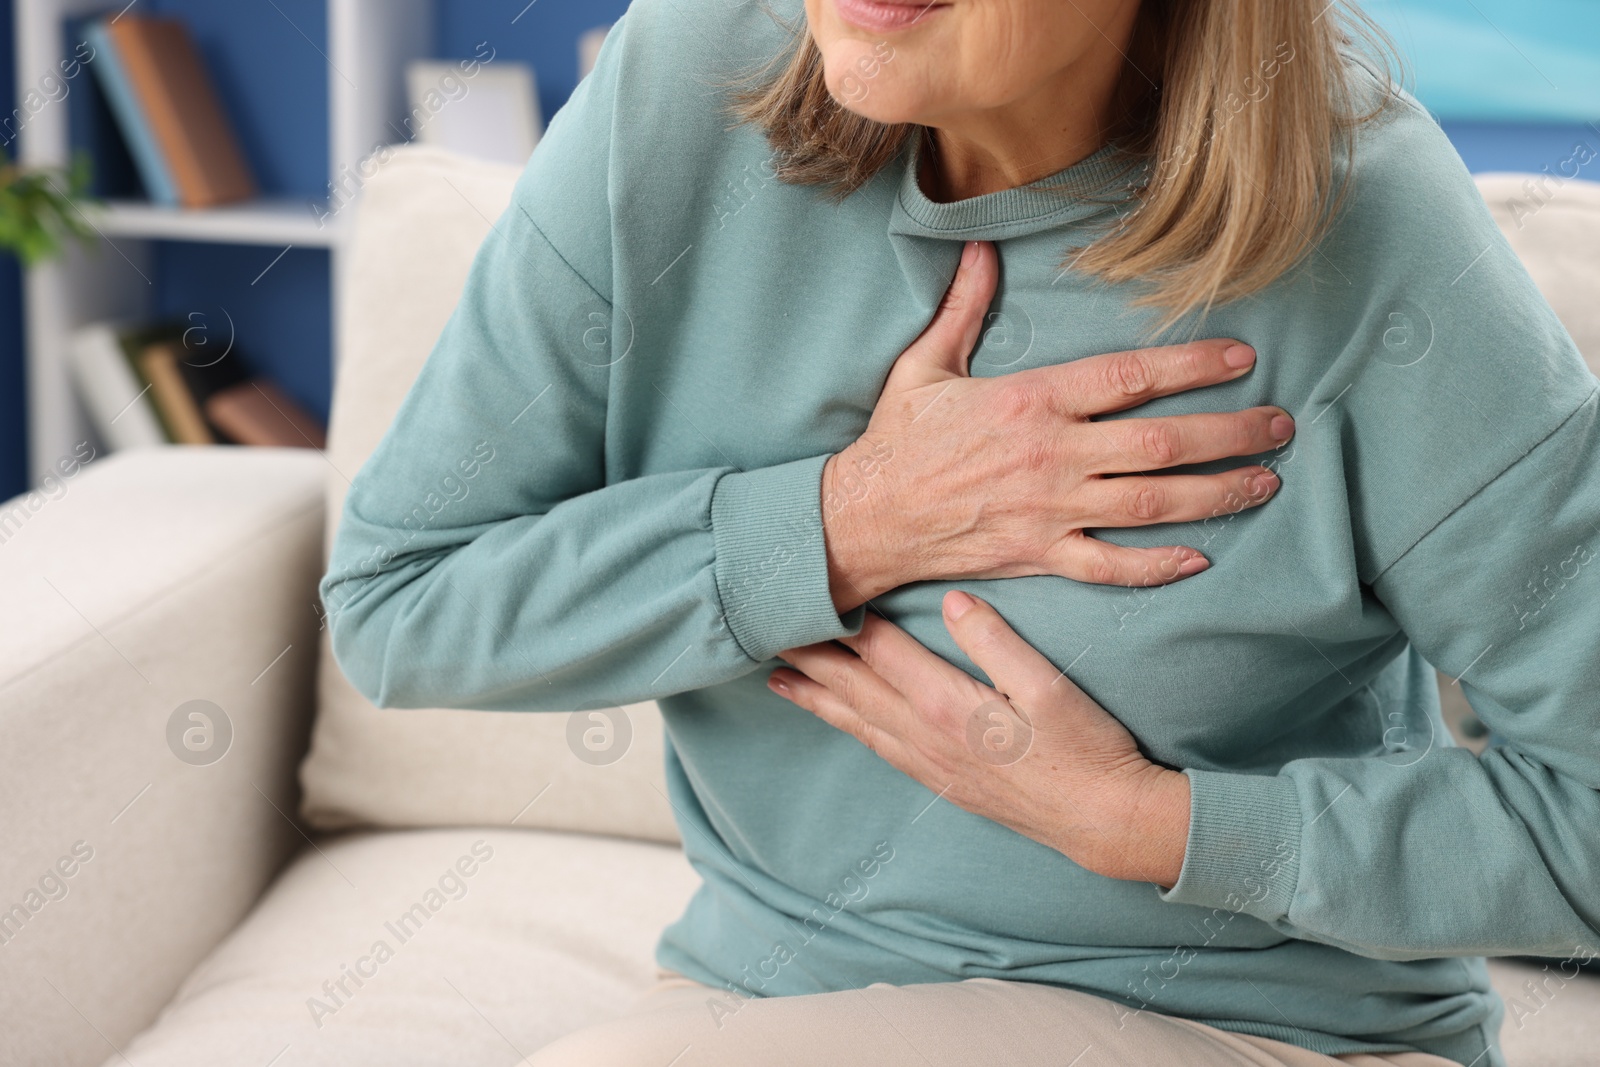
<point x="1130" y="445"/>
<point x="902" y="661"/>
<point x="942" y="350"/>
<point x="1017" y="670"/>
<point x="850" y="680"/>
<point x="842" y="690"/>
<point x="828" y="706"/>
<point x="1144" y="500"/>
<point x="1084" y="559"/>
<point x="1098" y="385"/>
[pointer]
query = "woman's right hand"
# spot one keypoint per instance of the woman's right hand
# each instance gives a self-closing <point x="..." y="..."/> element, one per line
<point x="961" y="477"/>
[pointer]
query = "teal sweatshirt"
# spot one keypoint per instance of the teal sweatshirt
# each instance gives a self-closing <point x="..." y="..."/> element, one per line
<point x="604" y="485"/>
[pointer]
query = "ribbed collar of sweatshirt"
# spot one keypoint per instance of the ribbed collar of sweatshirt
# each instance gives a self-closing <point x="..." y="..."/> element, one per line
<point x="1100" y="184"/>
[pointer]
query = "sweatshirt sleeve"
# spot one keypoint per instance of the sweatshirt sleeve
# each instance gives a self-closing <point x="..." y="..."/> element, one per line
<point x="1451" y="854"/>
<point x="483" y="560"/>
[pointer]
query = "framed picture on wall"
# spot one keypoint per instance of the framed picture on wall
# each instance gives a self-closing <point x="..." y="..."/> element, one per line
<point x="490" y="112"/>
<point x="589" y="49"/>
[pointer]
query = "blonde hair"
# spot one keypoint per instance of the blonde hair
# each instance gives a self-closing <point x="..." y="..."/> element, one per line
<point x="1241" y="108"/>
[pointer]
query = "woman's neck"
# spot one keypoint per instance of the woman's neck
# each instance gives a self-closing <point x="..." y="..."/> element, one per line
<point x="1058" y="123"/>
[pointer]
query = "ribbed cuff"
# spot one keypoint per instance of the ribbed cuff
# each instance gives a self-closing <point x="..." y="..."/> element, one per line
<point x="1244" y="845"/>
<point x="772" y="561"/>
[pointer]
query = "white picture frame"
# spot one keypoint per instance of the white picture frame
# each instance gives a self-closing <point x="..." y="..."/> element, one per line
<point x="589" y="49"/>
<point x="488" y="110"/>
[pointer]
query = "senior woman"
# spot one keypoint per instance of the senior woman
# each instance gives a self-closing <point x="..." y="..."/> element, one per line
<point x="798" y="313"/>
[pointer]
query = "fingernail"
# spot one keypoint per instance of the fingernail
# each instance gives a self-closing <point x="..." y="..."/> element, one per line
<point x="1238" y="356"/>
<point x="969" y="254"/>
<point x="1193" y="565"/>
<point x="957" y="603"/>
<point x="1281" y="428"/>
<point x="1260" y="485"/>
<point x="778" y="685"/>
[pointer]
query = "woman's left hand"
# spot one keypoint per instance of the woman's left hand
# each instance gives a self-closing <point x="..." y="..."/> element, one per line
<point x="1038" y="755"/>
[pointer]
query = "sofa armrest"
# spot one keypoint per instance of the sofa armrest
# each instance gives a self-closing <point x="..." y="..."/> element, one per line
<point x="128" y="588"/>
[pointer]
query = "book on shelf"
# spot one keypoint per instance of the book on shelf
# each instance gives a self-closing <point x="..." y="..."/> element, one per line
<point x="257" y="412"/>
<point x="112" y="391"/>
<point x="142" y="387"/>
<point x="93" y="132"/>
<point x="168" y="111"/>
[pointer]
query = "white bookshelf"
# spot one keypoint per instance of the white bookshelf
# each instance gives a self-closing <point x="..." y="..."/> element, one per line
<point x="369" y="42"/>
<point x="259" y="222"/>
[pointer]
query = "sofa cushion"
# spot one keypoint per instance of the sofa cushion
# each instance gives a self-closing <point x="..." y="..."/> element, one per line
<point x="421" y="218"/>
<point x="463" y="946"/>
<point x="135" y="836"/>
<point x="1553" y="225"/>
<point x="1552" y="1013"/>
<point x="496" y="941"/>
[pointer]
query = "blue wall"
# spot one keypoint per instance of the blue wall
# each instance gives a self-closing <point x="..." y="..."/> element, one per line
<point x="545" y="34"/>
<point x="1531" y="146"/>
<point x="13" y="430"/>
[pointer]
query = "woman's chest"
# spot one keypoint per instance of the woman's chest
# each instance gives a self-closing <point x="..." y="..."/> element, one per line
<point x="777" y="350"/>
<point x="1237" y="668"/>
<point x="787" y="357"/>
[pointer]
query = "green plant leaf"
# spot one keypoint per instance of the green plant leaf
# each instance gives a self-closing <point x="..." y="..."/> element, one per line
<point x="42" y="208"/>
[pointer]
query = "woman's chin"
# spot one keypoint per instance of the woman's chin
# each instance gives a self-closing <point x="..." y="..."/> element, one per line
<point x="887" y="116"/>
<point x="878" y="102"/>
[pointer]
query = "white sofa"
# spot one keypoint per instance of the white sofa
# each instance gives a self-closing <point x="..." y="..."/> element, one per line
<point x="161" y="906"/>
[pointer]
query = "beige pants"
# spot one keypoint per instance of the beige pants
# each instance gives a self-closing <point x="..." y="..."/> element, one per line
<point x="980" y="1022"/>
